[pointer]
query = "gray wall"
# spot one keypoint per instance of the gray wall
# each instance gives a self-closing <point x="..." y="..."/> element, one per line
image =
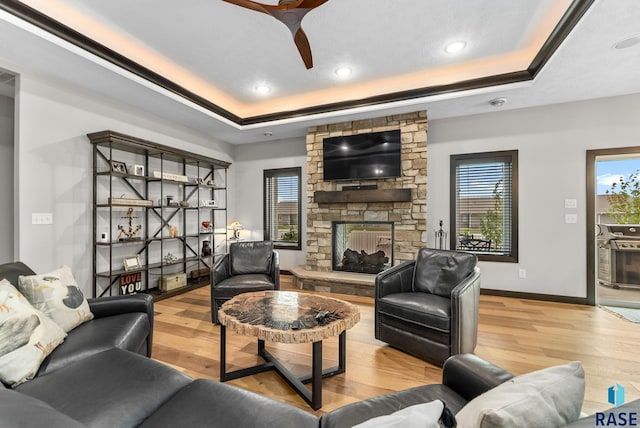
<point x="552" y="143"/>
<point x="250" y="162"/>
<point x="6" y="179"/>
<point x="54" y="167"/>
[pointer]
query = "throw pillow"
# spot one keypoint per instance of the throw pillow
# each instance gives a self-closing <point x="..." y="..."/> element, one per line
<point x="546" y="398"/>
<point x="27" y="336"/>
<point x="424" y="415"/>
<point x="57" y="295"/>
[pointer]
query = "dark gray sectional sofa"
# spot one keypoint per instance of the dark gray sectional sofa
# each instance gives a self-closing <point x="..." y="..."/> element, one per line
<point x="102" y="376"/>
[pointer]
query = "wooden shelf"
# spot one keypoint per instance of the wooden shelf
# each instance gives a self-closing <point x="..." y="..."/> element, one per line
<point x="359" y="196"/>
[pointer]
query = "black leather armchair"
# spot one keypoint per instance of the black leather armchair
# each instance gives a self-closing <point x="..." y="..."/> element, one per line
<point x="249" y="266"/>
<point x="429" y="307"/>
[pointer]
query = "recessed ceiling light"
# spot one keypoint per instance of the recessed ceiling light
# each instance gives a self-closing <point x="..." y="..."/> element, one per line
<point x="628" y="42"/>
<point x="343" y="72"/>
<point x="498" y="102"/>
<point x="262" y="89"/>
<point x="455" y="47"/>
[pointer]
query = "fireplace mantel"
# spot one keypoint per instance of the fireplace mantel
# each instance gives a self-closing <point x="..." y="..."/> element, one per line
<point x="356" y="196"/>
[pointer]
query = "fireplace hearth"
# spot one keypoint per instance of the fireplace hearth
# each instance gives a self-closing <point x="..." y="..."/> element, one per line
<point x="362" y="247"/>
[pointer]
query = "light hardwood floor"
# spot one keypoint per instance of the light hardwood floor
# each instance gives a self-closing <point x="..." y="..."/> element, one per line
<point x="519" y="335"/>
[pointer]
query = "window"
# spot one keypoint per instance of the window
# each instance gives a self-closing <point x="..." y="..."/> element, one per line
<point x="282" y="208"/>
<point x="484" y="205"/>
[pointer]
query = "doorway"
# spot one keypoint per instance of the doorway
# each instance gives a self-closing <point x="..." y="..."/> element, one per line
<point x="7" y="126"/>
<point x="613" y="227"/>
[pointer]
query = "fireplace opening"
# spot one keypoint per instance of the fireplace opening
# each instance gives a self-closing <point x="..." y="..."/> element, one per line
<point x="363" y="247"/>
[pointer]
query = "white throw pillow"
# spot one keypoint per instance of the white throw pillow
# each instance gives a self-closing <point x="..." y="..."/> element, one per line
<point x="27" y="336"/>
<point x="424" y="415"/>
<point x="57" y="295"/>
<point x="546" y="398"/>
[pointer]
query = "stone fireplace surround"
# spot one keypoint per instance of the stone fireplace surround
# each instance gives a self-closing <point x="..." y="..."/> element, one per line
<point x="408" y="217"/>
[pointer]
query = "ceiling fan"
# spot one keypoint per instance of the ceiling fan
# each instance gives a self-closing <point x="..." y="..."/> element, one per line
<point x="290" y="13"/>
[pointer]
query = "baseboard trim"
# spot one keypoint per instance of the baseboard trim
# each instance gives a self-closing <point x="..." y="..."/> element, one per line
<point x="535" y="296"/>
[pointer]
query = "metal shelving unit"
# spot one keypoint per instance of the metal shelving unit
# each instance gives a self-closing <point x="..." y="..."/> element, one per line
<point x="166" y="240"/>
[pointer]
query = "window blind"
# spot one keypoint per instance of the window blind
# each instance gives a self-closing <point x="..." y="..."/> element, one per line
<point x="282" y="208"/>
<point x="484" y="204"/>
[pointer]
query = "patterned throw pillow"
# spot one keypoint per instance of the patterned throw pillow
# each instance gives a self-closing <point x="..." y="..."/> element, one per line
<point x="27" y="336"/>
<point x="57" y="295"/>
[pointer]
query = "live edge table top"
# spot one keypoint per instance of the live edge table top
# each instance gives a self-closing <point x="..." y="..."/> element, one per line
<point x="270" y="316"/>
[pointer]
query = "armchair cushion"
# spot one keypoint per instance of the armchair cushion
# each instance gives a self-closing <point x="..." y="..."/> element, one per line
<point x="418" y="308"/>
<point x="251" y="257"/>
<point x="242" y="284"/>
<point x="439" y="271"/>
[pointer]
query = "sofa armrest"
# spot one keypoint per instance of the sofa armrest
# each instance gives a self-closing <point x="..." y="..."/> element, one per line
<point x="220" y="270"/>
<point x="398" y="279"/>
<point x="114" y="305"/>
<point x="102" y="307"/>
<point x="465" y="300"/>
<point x="469" y="375"/>
<point x="274" y="271"/>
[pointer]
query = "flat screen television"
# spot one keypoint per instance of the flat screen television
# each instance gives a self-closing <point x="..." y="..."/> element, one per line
<point x="362" y="156"/>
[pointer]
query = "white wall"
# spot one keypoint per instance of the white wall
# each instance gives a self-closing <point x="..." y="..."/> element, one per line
<point x="552" y="143"/>
<point x="54" y="167"/>
<point x="250" y="162"/>
<point x="6" y="179"/>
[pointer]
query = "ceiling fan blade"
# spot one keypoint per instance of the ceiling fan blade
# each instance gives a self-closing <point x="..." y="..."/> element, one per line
<point x="302" y="43"/>
<point x="310" y="4"/>
<point x="248" y="4"/>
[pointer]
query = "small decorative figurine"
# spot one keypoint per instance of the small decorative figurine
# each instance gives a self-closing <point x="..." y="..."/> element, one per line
<point x="170" y="258"/>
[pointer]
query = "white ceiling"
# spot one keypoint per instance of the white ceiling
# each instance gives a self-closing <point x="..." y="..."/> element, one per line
<point x="221" y="51"/>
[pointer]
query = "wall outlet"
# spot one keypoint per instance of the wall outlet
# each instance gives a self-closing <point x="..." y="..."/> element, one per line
<point x="522" y="273"/>
<point x="41" y="218"/>
<point x="570" y="218"/>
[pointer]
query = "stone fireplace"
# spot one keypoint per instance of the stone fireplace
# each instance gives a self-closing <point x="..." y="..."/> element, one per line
<point x="401" y="201"/>
<point x="363" y="247"/>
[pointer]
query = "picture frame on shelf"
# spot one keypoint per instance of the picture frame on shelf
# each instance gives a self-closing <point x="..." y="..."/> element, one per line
<point x="117" y="166"/>
<point x="137" y="170"/>
<point x="208" y="203"/>
<point x="132" y="263"/>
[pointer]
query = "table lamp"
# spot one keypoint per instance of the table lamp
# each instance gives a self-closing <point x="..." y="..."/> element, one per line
<point x="236" y="227"/>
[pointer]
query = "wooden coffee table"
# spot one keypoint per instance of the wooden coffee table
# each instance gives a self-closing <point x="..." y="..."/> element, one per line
<point x="288" y="317"/>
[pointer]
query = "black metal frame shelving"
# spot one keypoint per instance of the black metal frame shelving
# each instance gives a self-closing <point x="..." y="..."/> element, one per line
<point x="146" y="195"/>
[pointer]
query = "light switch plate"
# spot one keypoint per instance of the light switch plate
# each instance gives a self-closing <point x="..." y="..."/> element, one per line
<point x="571" y="203"/>
<point x="41" y="218"/>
